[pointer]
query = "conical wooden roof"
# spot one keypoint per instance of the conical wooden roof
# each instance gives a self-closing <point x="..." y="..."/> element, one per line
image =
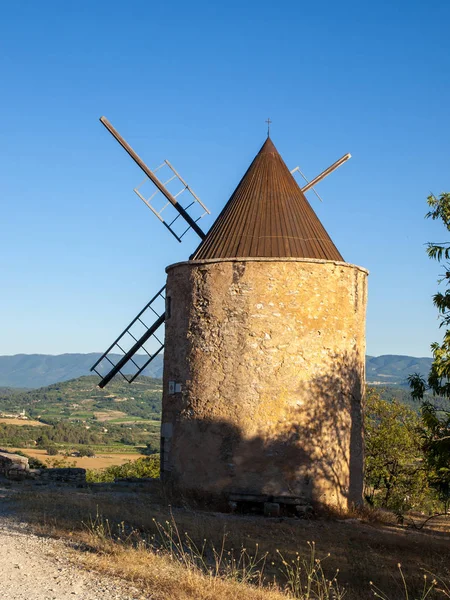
<point x="267" y="216"/>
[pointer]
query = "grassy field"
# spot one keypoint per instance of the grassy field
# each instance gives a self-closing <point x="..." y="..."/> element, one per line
<point x="99" y="461"/>
<point x="21" y="422"/>
<point x="109" y="415"/>
<point x="136" y="421"/>
<point x="118" y="418"/>
<point x="122" y="529"/>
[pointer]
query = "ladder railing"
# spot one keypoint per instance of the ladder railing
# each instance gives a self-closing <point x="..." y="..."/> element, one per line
<point x="193" y="205"/>
<point x="134" y="338"/>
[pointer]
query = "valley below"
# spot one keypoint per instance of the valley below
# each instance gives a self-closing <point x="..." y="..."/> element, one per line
<point x="74" y="423"/>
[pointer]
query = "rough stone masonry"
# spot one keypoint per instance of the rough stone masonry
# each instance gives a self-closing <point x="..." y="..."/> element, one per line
<point x="264" y="378"/>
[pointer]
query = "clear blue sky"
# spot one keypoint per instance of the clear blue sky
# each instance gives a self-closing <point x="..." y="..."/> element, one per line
<point x="193" y="82"/>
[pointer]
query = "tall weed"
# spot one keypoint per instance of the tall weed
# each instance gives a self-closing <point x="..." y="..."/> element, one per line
<point x="300" y="578"/>
<point x="306" y="580"/>
<point x="430" y="585"/>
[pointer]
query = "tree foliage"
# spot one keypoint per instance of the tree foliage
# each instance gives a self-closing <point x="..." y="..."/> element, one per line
<point x="394" y="471"/>
<point x="436" y="445"/>
<point x="436" y="422"/>
<point x="142" y="467"/>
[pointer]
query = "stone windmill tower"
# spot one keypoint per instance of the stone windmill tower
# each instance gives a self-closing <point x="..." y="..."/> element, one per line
<point x="264" y="353"/>
<point x="264" y="345"/>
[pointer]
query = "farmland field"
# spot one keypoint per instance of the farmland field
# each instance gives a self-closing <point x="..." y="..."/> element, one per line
<point x="29" y="422"/>
<point x="99" y="461"/>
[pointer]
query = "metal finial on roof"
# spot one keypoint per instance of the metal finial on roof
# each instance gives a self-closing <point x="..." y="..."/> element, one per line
<point x="268" y="126"/>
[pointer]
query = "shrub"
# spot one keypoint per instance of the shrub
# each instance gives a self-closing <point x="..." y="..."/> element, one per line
<point x="150" y="449"/>
<point x="61" y="463"/>
<point x="86" y="452"/>
<point x="142" y="467"/>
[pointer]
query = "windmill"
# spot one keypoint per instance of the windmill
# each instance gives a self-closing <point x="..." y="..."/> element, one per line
<point x="142" y="340"/>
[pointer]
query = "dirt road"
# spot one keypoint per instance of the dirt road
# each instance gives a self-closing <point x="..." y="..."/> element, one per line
<point x="40" y="568"/>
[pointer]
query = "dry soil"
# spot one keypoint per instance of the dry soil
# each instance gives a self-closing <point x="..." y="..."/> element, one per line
<point x="40" y="568"/>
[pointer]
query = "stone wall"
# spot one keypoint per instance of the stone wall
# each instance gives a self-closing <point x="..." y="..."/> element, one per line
<point x="16" y="468"/>
<point x="69" y="476"/>
<point x="264" y="378"/>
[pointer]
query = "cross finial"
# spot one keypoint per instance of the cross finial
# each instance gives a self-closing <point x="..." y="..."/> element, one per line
<point x="268" y="126"/>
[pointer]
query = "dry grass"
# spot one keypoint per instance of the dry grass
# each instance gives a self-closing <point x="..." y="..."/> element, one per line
<point x="166" y="579"/>
<point x="439" y="523"/>
<point x="15" y="421"/>
<point x="99" y="461"/>
<point x="361" y="551"/>
<point x="109" y="415"/>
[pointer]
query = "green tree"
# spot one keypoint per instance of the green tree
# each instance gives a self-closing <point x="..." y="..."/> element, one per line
<point x="52" y="450"/>
<point x="42" y="441"/>
<point x="436" y="437"/>
<point x="86" y="452"/>
<point x="151" y="448"/>
<point x="436" y="422"/>
<point x="394" y="470"/>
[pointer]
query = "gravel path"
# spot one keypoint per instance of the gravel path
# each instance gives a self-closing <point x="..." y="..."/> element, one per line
<point x="38" y="568"/>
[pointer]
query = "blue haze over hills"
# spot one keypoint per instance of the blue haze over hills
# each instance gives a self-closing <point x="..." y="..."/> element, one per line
<point x="38" y="370"/>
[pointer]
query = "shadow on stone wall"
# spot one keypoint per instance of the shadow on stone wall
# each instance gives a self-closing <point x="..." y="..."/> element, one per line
<point x="314" y="451"/>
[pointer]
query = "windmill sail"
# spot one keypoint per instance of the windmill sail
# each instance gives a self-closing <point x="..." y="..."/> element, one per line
<point x="139" y="343"/>
<point x="161" y="187"/>
<point x="142" y="340"/>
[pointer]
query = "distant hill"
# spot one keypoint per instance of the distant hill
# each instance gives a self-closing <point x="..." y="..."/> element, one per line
<point x="393" y="369"/>
<point x="38" y="370"/>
